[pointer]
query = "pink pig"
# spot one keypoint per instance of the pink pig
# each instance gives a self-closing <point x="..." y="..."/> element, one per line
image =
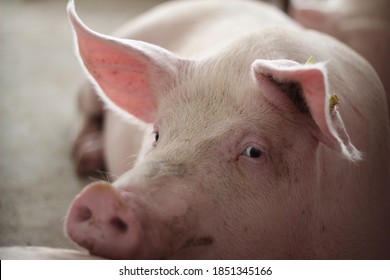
<point x="225" y="144"/>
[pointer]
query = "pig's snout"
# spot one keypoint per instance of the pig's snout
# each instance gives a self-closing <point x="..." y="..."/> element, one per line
<point x="100" y="221"/>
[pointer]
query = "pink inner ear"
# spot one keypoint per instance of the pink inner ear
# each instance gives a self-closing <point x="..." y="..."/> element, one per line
<point x="122" y="77"/>
<point x="315" y="93"/>
<point x="313" y="80"/>
<point x="131" y="74"/>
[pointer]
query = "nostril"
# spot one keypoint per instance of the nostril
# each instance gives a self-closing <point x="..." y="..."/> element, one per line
<point x="119" y="224"/>
<point x="83" y="214"/>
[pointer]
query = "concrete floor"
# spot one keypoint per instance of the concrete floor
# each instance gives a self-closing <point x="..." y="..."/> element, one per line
<point x="39" y="75"/>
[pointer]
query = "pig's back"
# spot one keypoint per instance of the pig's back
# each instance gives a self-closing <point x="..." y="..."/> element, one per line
<point x="194" y="28"/>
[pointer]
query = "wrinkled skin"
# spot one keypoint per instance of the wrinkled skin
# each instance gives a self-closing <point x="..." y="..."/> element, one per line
<point x="362" y="25"/>
<point x="248" y="158"/>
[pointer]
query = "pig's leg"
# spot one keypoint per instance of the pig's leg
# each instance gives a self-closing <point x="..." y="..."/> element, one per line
<point x="87" y="149"/>
<point x="105" y="142"/>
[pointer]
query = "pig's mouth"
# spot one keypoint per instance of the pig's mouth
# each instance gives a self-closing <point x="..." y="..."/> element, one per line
<point x="196" y="242"/>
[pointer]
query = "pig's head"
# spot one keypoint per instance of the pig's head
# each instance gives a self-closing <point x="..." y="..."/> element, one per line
<point x="226" y="174"/>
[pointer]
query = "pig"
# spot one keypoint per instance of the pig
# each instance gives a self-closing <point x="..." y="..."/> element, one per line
<point x="363" y="25"/>
<point x="231" y="132"/>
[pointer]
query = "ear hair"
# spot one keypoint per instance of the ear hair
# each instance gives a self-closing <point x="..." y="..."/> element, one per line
<point x="293" y="90"/>
<point x="289" y="85"/>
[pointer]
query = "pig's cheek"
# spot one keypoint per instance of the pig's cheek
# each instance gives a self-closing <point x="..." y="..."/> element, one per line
<point x="252" y="167"/>
<point x="258" y="176"/>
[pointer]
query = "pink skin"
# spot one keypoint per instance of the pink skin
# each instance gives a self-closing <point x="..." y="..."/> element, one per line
<point x="362" y="25"/>
<point x="247" y="158"/>
<point x="104" y="226"/>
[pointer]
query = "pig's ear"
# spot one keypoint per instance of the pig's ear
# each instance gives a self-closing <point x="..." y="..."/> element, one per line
<point x="131" y="74"/>
<point x="304" y="88"/>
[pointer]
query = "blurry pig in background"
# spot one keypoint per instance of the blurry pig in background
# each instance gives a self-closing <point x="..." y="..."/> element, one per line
<point x="362" y="25"/>
<point x="223" y="143"/>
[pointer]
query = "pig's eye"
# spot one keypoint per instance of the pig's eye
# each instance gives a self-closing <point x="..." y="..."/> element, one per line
<point x="156" y="136"/>
<point x="253" y="152"/>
